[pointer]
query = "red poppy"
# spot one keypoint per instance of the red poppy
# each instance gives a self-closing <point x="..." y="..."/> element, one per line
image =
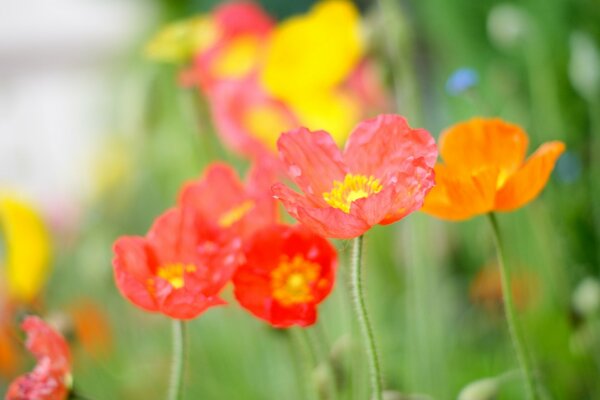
<point x="227" y="204"/>
<point x="383" y="175"/>
<point x="287" y="272"/>
<point x="50" y="379"/>
<point x="179" y="268"/>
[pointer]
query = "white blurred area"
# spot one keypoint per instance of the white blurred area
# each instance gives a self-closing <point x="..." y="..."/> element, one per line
<point x="57" y="65"/>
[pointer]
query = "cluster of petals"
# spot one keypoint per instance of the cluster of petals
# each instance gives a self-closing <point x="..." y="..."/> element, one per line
<point x="263" y="78"/>
<point x="485" y="170"/>
<point x="50" y="379"/>
<point x="382" y="175"/>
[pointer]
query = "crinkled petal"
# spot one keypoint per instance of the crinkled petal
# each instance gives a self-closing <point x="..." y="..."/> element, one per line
<point x="312" y="160"/>
<point x="527" y="183"/>
<point x="483" y="143"/>
<point x="332" y="223"/>
<point x="410" y="191"/>
<point x="382" y="146"/>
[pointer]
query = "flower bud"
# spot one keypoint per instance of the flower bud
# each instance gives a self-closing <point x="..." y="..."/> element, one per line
<point x="507" y="25"/>
<point x="483" y="389"/>
<point x="586" y="297"/>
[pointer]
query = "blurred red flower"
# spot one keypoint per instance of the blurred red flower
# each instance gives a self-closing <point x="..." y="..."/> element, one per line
<point x="228" y="205"/>
<point x="287" y="272"/>
<point x="240" y="30"/>
<point x="179" y="268"/>
<point x="50" y="379"/>
<point x="249" y="119"/>
<point x="383" y="175"/>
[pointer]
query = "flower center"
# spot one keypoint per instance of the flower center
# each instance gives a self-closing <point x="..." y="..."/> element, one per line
<point x="292" y="281"/>
<point x="353" y="187"/>
<point x="235" y="214"/>
<point x="173" y="273"/>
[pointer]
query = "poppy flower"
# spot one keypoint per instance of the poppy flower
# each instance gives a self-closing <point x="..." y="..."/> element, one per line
<point x="287" y="272"/>
<point x="241" y="30"/>
<point x="28" y="248"/>
<point x="383" y="174"/>
<point x="179" y="268"/>
<point x="50" y="379"/>
<point x="485" y="170"/>
<point x="226" y="204"/>
<point x="248" y="119"/>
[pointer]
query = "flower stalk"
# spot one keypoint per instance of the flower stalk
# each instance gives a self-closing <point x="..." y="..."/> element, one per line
<point x="362" y="316"/>
<point x="177" y="367"/>
<point x="511" y="318"/>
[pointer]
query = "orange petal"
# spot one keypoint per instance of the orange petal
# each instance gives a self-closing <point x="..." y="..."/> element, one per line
<point x="530" y="179"/>
<point x="480" y="143"/>
<point x="459" y="196"/>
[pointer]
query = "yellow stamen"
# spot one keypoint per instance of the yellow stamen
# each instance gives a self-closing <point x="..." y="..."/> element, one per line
<point x="235" y="214"/>
<point x="292" y="281"/>
<point x="173" y="273"/>
<point x="353" y="187"/>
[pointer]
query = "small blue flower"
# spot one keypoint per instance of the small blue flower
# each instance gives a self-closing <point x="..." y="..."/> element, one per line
<point x="568" y="167"/>
<point x="461" y="80"/>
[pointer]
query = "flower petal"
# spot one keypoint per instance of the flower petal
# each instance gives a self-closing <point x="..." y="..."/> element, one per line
<point x="382" y="145"/>
<point x="527" y="183"/>
<point x="312" y="160"/>
<point x="481" y="143"/>
<point x="328" y="222"/>
<point x="410" y="191"/>
<point x="131" y="268"/>
<point x="459" y="196"/>
<point x="332" y="223"/>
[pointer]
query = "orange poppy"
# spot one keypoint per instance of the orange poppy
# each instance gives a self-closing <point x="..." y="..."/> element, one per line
<point x="485" y="169"/>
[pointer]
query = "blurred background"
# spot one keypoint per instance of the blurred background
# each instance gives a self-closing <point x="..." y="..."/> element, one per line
<point x="99" y="139"/>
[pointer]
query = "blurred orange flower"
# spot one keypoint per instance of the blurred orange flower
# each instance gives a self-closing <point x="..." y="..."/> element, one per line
<point x="92" y="328"/>
<point x="485" y="169"/>
<point x="486" y="288"/>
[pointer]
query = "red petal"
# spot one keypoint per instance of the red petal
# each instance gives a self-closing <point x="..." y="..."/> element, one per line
<point x="253" y="279"/>
<point x="383" y="145"/>
<point x="312" y="161"/>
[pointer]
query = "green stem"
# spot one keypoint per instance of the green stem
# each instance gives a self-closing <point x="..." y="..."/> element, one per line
<point x="511" y="318"/>
<point x="362" y="316"/>
<point x="305" y="360"/>
<point x="176" y="383"/>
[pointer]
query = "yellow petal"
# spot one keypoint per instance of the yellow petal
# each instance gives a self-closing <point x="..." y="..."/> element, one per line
<point x="238" y="58"/>
<point x="334" y="112"/>
<point x="27" y="248"/>
<point x="316" y="51"/>
<point x="527" y="183"/>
